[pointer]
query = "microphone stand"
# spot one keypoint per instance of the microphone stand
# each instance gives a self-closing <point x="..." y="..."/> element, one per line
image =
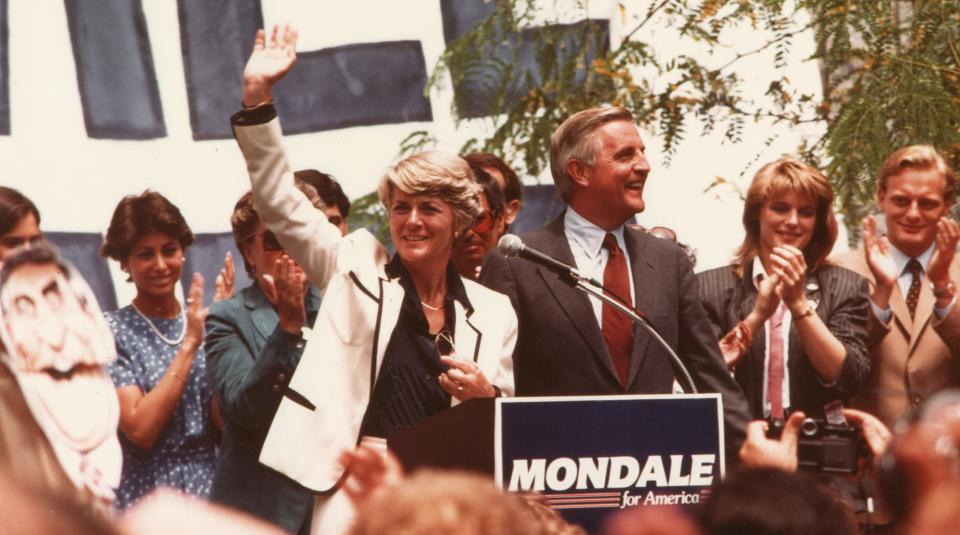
<point x="594" y="288"/>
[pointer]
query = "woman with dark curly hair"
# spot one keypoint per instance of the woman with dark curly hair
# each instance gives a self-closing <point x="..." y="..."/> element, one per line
<point x="165" y="400"/>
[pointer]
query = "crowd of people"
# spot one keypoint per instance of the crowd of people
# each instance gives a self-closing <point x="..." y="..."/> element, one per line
<point x="276" y="400"/>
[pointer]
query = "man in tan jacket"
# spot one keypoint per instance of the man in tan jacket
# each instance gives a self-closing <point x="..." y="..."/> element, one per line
<point x="914" y="329"/>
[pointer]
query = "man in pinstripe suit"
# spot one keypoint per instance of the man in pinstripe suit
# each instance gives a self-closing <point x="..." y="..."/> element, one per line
<point x="913" y="271"/>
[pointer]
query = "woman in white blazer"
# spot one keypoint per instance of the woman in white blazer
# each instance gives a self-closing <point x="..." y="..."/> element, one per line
<point x="374" y="359"/>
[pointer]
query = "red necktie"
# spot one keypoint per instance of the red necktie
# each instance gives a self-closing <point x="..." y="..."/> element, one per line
<point x="775" y="368"/>
<point x="617" y="327"/>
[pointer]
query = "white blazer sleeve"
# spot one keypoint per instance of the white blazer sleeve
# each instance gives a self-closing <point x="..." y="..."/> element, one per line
<point x="302" y="229"/>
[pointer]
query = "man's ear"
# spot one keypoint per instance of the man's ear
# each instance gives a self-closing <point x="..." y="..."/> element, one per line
<point x="579" y="172"/>
<point x="881" y="194"/>
<point x="510" y="211"/>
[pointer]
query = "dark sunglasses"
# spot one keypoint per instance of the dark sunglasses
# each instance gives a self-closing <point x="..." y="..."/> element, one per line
<point x="484" y="222"/>
<point x="270" y="242"/>
<point x="443" y="342"/>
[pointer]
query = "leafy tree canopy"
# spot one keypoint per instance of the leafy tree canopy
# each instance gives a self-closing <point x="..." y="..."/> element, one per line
<point x="890" y="76"/>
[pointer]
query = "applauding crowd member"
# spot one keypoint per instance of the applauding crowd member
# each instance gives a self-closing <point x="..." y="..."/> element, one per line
<point x="914" y="272"/>
<point x="253" y="345"/>
<point x="160" y="373"/>
<point x="396" y="339"/>
<point x="791" y="327"/>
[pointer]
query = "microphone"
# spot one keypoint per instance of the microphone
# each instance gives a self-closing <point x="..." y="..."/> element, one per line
<point x="511" y="245"/>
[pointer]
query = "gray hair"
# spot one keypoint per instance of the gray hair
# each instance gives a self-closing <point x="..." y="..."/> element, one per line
<point x="575" y="139"/>
<point x="438" y="173"/>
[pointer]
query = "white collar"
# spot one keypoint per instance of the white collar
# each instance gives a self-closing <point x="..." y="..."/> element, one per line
<point x="587" y="236"/>
<point x="901" y="259"/>
<point x="758" y="272"/>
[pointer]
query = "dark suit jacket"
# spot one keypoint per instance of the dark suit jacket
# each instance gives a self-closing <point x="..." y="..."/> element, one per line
<point x="560" y="349"/>
<point x="841" y="302"/>
<point x="249" y="363"/>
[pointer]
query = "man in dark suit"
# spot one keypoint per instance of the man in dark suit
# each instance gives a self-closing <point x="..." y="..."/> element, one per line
<point x="569" y="344"/>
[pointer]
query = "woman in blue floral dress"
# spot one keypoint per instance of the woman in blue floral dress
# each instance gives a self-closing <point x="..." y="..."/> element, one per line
<point x="165" y="401"/>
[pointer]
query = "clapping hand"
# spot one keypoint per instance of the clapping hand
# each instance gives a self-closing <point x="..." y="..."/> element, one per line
<point x="196" y="312"/>
<point x="370" y="471"/>
<point x="876" y="251"/>
<point x="939" y="267"/>
<point x="224" y="283"/>
<point x="286" y="290"/>
<point x="788" y="264"/>
<point x="269" y="62"/>
<point x="733" y="347"/>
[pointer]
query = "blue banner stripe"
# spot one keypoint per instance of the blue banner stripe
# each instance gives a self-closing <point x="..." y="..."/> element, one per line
<point x="115" y="72"/>
<point x="216" y="37"/>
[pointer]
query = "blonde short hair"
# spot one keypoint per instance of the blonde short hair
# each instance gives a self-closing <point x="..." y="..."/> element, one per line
<point x="917" y="157"/>
<point x="575" y="139"/>
<point x="438" y="173"/>
<point x="774" y="179"/>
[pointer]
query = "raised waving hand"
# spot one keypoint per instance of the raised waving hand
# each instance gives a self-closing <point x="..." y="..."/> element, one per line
<point x="270" y="61"/>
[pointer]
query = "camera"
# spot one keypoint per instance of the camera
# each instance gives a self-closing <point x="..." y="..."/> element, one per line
<point x="824" y="447"/>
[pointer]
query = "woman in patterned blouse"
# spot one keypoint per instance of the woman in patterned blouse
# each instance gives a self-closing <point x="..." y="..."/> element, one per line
<point x="165" y="401"/>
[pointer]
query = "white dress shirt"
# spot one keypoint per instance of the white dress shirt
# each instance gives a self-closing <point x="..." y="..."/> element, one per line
<point x="586" y="243"/>
<point x="905" y="279"/>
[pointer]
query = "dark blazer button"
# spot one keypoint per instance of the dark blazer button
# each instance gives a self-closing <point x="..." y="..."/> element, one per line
<point x="281" y="377"/>
<point x="276" y="388"/>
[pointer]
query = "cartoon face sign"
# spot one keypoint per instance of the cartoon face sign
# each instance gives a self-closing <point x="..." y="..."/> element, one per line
<point x="57" y="344"/>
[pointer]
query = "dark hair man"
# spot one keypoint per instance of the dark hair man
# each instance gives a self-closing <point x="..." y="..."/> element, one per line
<point x="913" y="270"/>
<point x="505" y="176"/>
<point x="337" y="205"/>
<point x="571" y="345"/>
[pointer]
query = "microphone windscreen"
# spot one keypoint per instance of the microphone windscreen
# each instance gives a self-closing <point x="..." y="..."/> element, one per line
<point x="510" y="245"/>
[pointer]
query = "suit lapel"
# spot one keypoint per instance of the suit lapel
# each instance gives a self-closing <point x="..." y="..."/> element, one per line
<point x="467" y="336"/>
<point x="757" y="353"/>
<point x="924" y="311"/>
<point x="646" y="296"/>
<point x="574" y="303"/>
<point x="391" y="299"/>
<point x="925" y="306"/>
<point x="262" y="314"/>
<point x="898" y="304"/>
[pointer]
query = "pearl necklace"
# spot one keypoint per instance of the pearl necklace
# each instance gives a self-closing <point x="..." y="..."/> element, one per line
<point x="157" y="332"/>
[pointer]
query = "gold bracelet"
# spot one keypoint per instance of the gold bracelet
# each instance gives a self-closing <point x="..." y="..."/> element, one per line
<point x="807" y="311"/>
<point x="257" y="106"/>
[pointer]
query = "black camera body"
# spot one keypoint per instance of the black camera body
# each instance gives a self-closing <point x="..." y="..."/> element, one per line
<point x="826" y="448"/>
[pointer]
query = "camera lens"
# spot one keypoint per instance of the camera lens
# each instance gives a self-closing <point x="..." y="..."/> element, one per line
<point x="809" y="427"/>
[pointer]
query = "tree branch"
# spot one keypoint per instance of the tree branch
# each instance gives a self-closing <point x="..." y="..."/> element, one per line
<point x="770" y="43"/>
<point x="649" y="16"/>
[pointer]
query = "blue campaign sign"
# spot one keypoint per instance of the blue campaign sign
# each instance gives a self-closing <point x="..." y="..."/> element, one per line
<point x="593" y="455"/>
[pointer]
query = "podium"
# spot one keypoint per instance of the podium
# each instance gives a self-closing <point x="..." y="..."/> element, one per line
<point x="588" y="456"/>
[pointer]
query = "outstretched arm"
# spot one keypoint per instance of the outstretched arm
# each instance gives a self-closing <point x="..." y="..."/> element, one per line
<point x="301" y="228"/>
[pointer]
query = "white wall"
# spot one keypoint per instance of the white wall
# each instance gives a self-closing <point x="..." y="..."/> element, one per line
<point x="77" y="181"/>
